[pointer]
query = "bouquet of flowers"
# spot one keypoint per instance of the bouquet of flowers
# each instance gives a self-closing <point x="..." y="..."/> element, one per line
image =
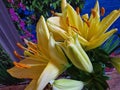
<point x="68" y="53"/>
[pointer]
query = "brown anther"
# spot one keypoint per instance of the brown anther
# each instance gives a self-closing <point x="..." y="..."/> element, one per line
<point x="93" y="12"/>
<point x="67" y="21"/>
<point x="32" y="45"/>
<point x="88" y="23"/>
<point x="52" y="12"/>
<point x="74" y="29"/>
<point x="78" y="10"/>
<point x="20" y="46"/>
<point x="102" y="11"/>
<point x="21" y="65"/>
<point x="17" y="55"/>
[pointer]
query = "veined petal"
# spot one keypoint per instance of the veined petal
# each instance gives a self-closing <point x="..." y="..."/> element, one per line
<point x="42" y="35"/>
<point x="51" y="72"/>
<point x="34" y="71"/>
<point x="82" y="40"/>
<point x="40" y="59"/>
<point x="98" y="41"/>
<point x="56" y="52"/>
<point x="96" y="12"/>
<point x="107" y="22"/>
<point x="57" y="30"/>
<point x="63" y="5"/>
<point x="72" y="17"/>
<point x="58" y="21"/>
<point x="77" y="55"/>
<point x="67" y="84"/>
<point x="93" y="29"/>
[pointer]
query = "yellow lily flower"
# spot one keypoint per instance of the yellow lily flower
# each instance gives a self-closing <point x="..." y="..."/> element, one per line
<point x="92" y="31"/>
<point x="116" y="63"/>
<point x="40" y="59"/>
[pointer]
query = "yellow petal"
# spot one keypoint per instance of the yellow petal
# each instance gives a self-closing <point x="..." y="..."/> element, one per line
<point x="32" y="85"/>
<point x="98" y="41"/>
<point x="51" y="72"/>
<point x="72" y="17"/>
<point x="57" y="30"/>
<point x="63" y="5"/>
<point x="56" y="52"/>
<point x="42" y="35"/>
<point x="107" y="22"/>
<point x="97" y="11"/>
<point x="33" y="72"/>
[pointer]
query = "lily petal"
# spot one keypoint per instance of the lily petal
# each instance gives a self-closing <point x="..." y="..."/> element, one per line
<point x="42" y="35"/>
<point x="107" y="22"/>
<point x="56" y="52"/>
<point x="32" y="85"/>
<point x="33" y="72"/>
<point x="97" y="42"/>
<point x="51" y="72"/>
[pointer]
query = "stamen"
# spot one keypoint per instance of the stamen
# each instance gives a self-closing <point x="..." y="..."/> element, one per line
<point x="32" y="50"/>
<point x="21" y="65"/>
<point x="93" y="12"/>
<point x="32" y="44"/>
<point x="74" y="28"/>
<point x="20" y="46"/>
<point x="67" y="21"/>
<point x="78" y="10"/>
<point x="18" y="56"/>
<point x="102" y="10"/>
<point x="52" y="12"/>
<point x="87" y="22"/>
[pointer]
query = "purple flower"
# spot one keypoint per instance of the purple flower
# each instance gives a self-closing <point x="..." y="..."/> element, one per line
<point x="14" y="16"/>
<point x="22" y="6"/>
<point x="12" y="11"/>
<point x="22" y="24"/>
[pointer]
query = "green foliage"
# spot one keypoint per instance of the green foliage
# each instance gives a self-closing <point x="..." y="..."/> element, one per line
<point x="111" y="44"/>
<point x="93" y="81"/>
<point x="44" y="7"/>
<point x="6" y="63"/>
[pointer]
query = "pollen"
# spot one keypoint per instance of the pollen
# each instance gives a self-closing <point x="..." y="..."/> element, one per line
<point x="93" y="12"/>
<point x="102" y="11"/>
<point x="87" y="22"/>
<point x="18" y="55"/>
<point x="78" y="10"/>
<point x="20" y="46"/>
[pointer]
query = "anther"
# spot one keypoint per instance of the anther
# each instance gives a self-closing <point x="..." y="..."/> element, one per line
<point x="20" y="46"/>
<point x="87" y="22"/>
<point x="102" y="11"/>
<point x="78" y="10"/>
<point x="52" y="12"/>
<point x="93" y="12"/>
<point x="32" y="44"/>
<point x="17" y="55"/>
